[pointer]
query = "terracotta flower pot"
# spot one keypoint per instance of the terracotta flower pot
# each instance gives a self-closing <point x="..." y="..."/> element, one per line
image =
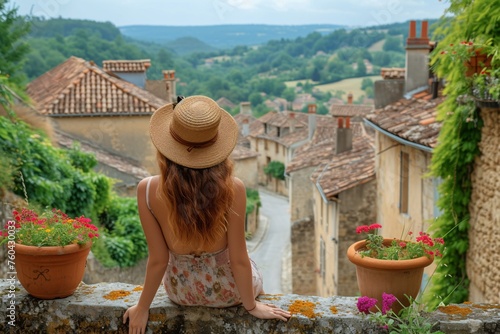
<point x="51" y="272"/>
<point x="398" y="277"/>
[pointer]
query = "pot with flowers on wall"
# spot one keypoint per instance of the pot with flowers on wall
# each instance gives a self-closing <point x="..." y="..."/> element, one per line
<point x="49" y="251"/>
<point x="392" y="266"/>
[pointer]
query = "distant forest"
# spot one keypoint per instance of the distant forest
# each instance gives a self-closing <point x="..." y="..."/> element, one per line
<point x="241" y="73"/>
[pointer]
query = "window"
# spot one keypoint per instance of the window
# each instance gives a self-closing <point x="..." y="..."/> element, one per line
<point x="256" y="145"/>
<point x="277" y="148"/>
<point x="404" y="182"/>
<point x="265" y="144"/>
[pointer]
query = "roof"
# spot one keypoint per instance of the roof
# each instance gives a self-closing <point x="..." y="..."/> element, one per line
<point x="411" y="119"/>
<point x="351" y="110"/>
<point x="224" y="103"/>
<point x="241" y="153"/>
<point x="321" y="147"/>
<point x="77" y="87"/>
<point x="118" y="66"/>
<point x="392" y="73"/>
<point x="104" y="157"/>
<point x="348" y="169"/>
<point x="281" y="119"/>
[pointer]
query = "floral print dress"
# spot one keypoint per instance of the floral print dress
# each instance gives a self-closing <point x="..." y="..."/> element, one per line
<point x="205" y="280"/>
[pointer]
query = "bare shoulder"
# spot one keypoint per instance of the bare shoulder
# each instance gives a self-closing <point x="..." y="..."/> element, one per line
<point x="141" y="186"/>
<point x="238" y="183"/>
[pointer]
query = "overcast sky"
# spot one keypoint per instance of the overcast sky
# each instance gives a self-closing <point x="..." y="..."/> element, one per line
<point x="215" y="12"/>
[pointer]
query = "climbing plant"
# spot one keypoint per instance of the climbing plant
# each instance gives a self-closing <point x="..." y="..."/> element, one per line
<point x="471" y="29"/>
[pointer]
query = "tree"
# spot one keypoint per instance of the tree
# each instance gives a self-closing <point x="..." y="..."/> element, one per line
<point x="13" y="49"/>
<point x="365" y="83"/>
<point x="361" y="70"/>
<point x="393" y="43"/>
<point x="255" y="99"/>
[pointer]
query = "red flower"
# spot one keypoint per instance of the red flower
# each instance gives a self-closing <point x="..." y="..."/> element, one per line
<point x="374" y="226"/>
<point x="362" y="228"/>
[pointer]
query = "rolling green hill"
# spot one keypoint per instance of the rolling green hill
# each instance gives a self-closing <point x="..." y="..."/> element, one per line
<point x="225" y="36"/>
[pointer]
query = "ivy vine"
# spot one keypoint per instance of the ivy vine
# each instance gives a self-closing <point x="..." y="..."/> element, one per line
<point x="453" y="158"/>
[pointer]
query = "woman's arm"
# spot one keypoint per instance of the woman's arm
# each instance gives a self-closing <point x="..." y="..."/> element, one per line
<point x="240" y="263"/>
<point x="157" y="264"/>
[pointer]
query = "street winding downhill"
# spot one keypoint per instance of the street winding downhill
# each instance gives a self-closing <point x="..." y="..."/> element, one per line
<point x="270" y="252"/>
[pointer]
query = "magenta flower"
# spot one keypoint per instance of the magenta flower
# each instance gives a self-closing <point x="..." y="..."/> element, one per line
<point x="387" y="301"/>
<point x="365" y="303"/>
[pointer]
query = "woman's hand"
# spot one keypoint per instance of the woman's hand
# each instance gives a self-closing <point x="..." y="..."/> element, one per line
<point x="269" y="311"/>
<point x="138" y="319"/>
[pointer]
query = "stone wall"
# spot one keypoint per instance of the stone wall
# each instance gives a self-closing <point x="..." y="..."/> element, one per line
<point x="93" y="310"/>
<point x="303" y="263"/>
<point x="388" y="91"/>
<point x="128" y="139"/>
<point x="484" y="234"/>
<point x="96" y="272"/>
<point x="357" y="207"/>
<point x="301" y="194"/>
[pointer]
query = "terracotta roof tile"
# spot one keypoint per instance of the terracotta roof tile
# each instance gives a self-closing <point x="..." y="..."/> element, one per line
<point x="351" y="110"/>
<point x="392" y="73"/>
<point x="411" y="119"/>
<point x="348" y="169"/>
<point x="321" y="147"/>
<point x="117" y="66"/>
<point x="79" y="87"/>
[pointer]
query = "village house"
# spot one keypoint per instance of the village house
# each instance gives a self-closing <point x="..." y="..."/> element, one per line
<point x="94" y="106"/>
<point x="327" y="177"/>
<point x="406" y="134"/>
<point x="281" y="134"/>
<point x="108" y="111"/>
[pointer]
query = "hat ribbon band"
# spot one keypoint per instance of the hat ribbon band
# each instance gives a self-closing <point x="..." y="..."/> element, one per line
<point x="191" y="144"/>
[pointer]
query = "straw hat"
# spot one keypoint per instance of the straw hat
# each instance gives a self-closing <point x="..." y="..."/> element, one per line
<point x="195" y="132"/>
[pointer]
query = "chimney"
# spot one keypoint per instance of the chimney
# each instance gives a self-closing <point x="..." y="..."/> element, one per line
<point x="344" y="135"/>
<point x="245" y="108"/>
<point x="292" y="122"/>
<point x="311" y="110"/>
<point x="245" y="128"/>
<point x="349" y="98"/>
<point x="169" y="79"/>
<point x="417" y="57"/>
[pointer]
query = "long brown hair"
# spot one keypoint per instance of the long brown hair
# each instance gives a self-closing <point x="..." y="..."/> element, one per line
<point x="199" y="200"/>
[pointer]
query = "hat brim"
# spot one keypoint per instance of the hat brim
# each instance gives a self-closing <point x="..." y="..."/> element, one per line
<point x="198" y="158"/>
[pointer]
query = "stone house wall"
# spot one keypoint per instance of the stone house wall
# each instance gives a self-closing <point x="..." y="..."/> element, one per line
<point x="301" y="194"/>
<point x="421" y="204"/>
<point x="484" y="234"/>
<point x="357" y="206"/>
<point x="303" y="261"/>
<point x="247" y="171"/>
<point x="127" y="136"/>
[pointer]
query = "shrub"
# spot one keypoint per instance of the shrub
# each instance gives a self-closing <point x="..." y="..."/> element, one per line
<point x="275" y="169"/>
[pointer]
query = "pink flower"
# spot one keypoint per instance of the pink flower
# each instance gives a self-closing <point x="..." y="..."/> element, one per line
<point x="374" y="226"/>
<point x="402" y="244"/>
<point x="365" y="303"/>
<point x="387" y="301"/>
